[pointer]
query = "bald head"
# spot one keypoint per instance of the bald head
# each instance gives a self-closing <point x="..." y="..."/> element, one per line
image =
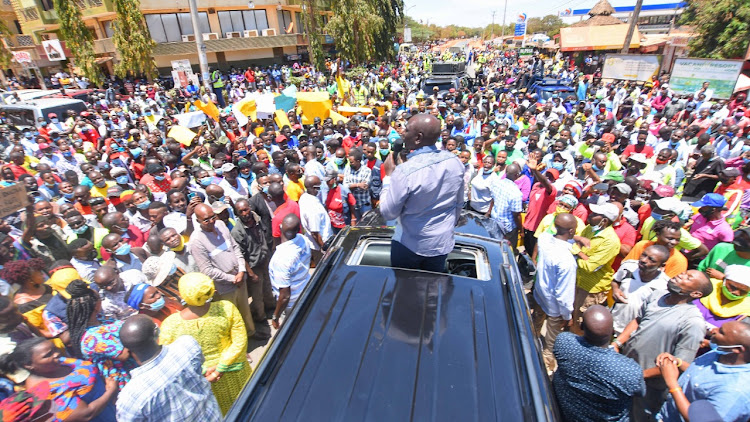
<point x="597" y="325"/>
<point x="565" y="225"/>
<point x="276" y="191"/>
<point x="290" y="227"/>
<point x="311" y="182"/>
<point x="140" y="336"/>
<point x="421" y="130"/>
<point x="513" y="171"/>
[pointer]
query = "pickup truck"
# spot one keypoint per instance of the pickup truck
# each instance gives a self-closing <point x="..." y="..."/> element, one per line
<point x="367" y="342"/>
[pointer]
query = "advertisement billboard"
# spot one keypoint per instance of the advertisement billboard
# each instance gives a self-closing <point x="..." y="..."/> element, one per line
<point x="688" y="75"/>
<point x="631" y="67"/>
<point x="520" y="28"/>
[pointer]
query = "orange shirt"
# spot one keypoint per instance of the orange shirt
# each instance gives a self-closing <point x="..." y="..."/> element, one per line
<point x="676" y="264"/>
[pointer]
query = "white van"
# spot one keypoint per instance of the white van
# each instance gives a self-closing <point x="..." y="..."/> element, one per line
<point x="25" y="114"/>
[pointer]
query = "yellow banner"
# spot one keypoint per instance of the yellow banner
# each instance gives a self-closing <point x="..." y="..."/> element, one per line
<point x="313" y="104"/>
<point x="336" y="117"/>
<point x="248" y="108"/>
<point x="281" y="119"/>
<point x="182" y="135"/>
<point x="208" y="108"/>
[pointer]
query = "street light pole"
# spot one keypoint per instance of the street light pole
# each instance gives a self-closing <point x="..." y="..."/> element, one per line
<point x="502" y="36"/>
<point x="202" y="60"/>
<point x="492" y="27"/>
<point x="631" y="28"/>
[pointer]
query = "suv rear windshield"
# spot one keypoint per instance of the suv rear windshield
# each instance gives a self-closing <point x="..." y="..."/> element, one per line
<point x="464" y="261"/>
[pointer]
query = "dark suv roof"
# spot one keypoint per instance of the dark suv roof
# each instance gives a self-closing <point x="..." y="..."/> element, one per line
<point x="372" y="343"/>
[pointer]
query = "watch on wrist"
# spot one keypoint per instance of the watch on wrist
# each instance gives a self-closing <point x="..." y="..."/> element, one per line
<point x="617" y="342"/>
<point x="274" y="318"/>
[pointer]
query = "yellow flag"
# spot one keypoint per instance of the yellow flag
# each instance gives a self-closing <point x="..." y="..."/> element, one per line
<point x="314" y="104"/>
<point x="208" y="108"/>
<point x="182" y="134"/>
<point x="336" y="117"/>
<point x="342" y="86"/>
<point x="248" y="108"/>
<point x="281" y="119"/>
<point x="350" y="111"/>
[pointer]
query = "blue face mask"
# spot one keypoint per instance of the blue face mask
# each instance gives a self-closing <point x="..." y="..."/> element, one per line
<point x="136" y="152"/>
<point x="338" y="161"/>
<point x="723" y="350"/>
<point x="265" y="189"/>
<point x="122" y="180"/>
<point x="656" y="216"/>
<point x="28" y="135"/>
<point x="54" y="120"/>
<point x="143" y="205"/>
<point x="595" y="167"/>
<point x="384" y="151"/>
<point x="81" y="230"/>
<point x="68" y="195"/>
<point x="148" y="113"/>
<point x="219" y="172"/>
<point x="123" y="250"/>
<point x="730" y="134"/>
<point x="157" y="304"/>
<point x="44" y="124"/>
<point x="205" y="181"/>
<point x="160" y="178"/>
<point x="557" y="166"/>
<point x="246" y="176"/>
<point x="67" y="154"/>
<point x="487" y="171"/>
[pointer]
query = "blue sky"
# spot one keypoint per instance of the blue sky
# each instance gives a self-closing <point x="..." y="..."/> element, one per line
<point x="478" y="13"/>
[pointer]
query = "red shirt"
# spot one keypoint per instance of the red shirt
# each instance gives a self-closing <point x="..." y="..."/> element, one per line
<point x="17" y="170"/>
<point x="632" y="149"/>
<point x="135" y="237"/>
<point x="156" y="185"/>
<point x="539" y="200"/>
<point x="349" y="142"/>
<point x="335" y="207"/>
<point x="627" y="235"/>
<point x="285" y="209"/>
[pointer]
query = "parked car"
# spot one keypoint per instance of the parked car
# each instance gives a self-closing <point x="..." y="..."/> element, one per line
<point x="546" y="88"/>
<point x="25" y="114"/>
<point x="367" y="342"/>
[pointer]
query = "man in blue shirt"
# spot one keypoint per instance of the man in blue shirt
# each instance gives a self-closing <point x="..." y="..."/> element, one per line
<point x="425" y="195"/>
<point x="720" y="377"/>
<point x="593" y="382"/>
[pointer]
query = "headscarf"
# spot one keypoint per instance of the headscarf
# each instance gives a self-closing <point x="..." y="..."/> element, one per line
<point x="196" y="288"/>
<point x="576" y="186"/>
<point x="136" y="295"/>
<point x="731" y="309"/>
<point x="569" y="200"/>
<point x="61" y="278"/>
<point x="102" y="345"/>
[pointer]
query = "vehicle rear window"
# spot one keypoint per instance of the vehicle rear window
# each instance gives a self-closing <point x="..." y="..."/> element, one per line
<point x="62" y="109"/>
<point x="464" y="261"/>
<point x="20" y="117"/>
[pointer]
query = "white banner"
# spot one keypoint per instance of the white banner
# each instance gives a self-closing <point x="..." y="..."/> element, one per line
<point x="54" y="50"/>
<point x="407" y="34"/>
<point x="688" y="76"/>
<point x="631" y="67"/>
<point x="191" y="120"/>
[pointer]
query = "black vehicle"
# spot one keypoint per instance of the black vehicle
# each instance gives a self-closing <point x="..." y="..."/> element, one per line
<point x="367" y="342"/>
<point x="444" y="76"/>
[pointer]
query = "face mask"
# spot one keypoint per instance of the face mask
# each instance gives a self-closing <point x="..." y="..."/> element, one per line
<point x="123" y="250"/>
<point x="55" y="120"/>
<point x="384" y="152"/>
<point x="722" y="350"/>
<point x="596" y="229"/>
<point x="28" y="135"/>
<point x="595" y="167"/>
<point x="136" y="152"/>
<point x="148" y="113"/>
<point x="143" y="205"/>
<point x="122" y="180"/>
<point x="656" y="216"/>
<point x="487" y="171"/>
<point x="44" y="124"/>
<point x="674" y="288"/>
<point x="745" y="160"/>
<point x="157" y="304"/>
<point x="101" y="184"/>
<point x="557" y="166"/>
<point x="205" y="181"/>
<point x="67" y="154"/>
<point x="246" y="176"/>
<point x="219" y="172"/>
<point x="68" y="195"/>
<point x="730" y="134"/>
<point x="338" y="161"/>
<point x="159" y="178"/>
<point x="729" y="295"/>
<point x="50" y="185"/>
<point x="81" y="230"/>
<point x="265" y="189"/>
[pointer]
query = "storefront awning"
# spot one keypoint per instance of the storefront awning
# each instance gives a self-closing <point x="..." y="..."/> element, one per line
<point x="607" y="37"/>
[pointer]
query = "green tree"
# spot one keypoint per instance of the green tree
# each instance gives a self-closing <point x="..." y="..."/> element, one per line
<point x="392" y="12"/>
<point x="132" y="40"/>
<point x="549" y="24"/>
<point x="354" y="27"/>
<point x="5" y="54"/>
<point x="722" y="28"/>
<point x="78" y="38"/>
<point x="312" y="25"/>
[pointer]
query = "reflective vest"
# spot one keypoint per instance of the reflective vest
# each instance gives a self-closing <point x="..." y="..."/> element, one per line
<point x="218" y="82"/>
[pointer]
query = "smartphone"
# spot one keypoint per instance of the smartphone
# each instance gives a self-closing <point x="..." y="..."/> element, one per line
<point x="191" y="195"/>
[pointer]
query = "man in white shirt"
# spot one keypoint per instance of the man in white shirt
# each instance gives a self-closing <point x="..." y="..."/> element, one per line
<point x="554" y="290"/>
<point x="234" y="186"/>
<point x="634" y="281"/>
<point x="315" y="219"/>
<point x="289" y="268"/>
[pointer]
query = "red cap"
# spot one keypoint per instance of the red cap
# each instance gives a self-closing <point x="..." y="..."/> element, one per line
<point x="554" y="173"/>
<point x="52" y="116"/>
<point x="608" y="138"/>
<point x="664" y="191"/>
<point x="43" y="145"/>
<point x="280" y="139"/>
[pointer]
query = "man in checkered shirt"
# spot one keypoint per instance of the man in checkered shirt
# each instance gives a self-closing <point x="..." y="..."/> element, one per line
<point x="357" y="179"/>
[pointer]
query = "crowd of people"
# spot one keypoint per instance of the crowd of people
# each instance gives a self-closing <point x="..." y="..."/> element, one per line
<point x="142" y="270"/>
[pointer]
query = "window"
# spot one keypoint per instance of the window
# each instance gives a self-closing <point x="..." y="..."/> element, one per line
<point x="242" y="20"/>
<point x="109" y="30"/>
<point x="170" y="27"/>
<point x="465" y="260"/>
<point x="299" y="26"/>
<point x="47" y="5"/>
<point x="285" y="21"/>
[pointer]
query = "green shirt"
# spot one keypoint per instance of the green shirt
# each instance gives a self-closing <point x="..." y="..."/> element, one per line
<point x="720" y="257"/>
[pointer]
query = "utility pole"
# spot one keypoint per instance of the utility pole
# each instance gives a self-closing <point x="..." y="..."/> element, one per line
<point x="502" y="36"/>
<point x="202" y="60"/>
<point x="492" y="27"/>
<point x="631" y="28"/>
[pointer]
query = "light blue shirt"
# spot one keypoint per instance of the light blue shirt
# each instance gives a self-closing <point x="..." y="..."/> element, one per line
<point x="290" y="267"/>
<point x="555" y="287"/>
<point x="507" y="200"/>
<point x="425" y="195"/>
<point x="724" y="386"/>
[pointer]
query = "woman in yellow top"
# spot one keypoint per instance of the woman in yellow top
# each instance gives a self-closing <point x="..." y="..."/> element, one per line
<point x="219" y="329"/>
<point x="729" y="301"/>
<point x="33" y="294"/>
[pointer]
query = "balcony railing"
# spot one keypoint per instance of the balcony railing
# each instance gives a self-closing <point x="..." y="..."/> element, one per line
<point x="30" y="14"/>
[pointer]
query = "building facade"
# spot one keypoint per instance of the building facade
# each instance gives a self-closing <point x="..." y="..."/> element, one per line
<point x="235" y="32"/>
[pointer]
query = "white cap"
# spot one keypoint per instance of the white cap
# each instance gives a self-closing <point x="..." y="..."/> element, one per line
<point x="670" y="204"/>
<point x="227" y="167"/>
<point x="738" y="274"/>
<point x="608" y="210"/>
<point x="641" y="158"/>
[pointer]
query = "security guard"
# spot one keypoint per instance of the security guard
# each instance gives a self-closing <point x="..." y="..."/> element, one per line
<point x="218" y="86"/>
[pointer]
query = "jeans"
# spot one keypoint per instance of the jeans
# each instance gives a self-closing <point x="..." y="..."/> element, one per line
<point x="220" y="97"/>
<point x="403" y="257"/>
